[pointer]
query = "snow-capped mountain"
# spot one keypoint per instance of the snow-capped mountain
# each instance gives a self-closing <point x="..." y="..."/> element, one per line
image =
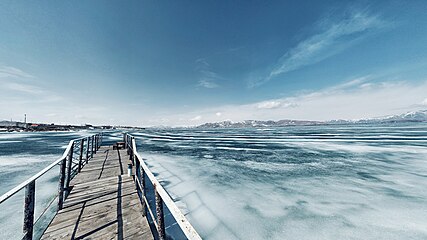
<point x="416" y="116"/>
<point x="257" y="123"/>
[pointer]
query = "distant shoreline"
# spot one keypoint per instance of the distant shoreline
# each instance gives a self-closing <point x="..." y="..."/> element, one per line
<point x="12" y="126"/>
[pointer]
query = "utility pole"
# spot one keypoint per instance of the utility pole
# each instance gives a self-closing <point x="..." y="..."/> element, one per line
<point x="25" y="121"/>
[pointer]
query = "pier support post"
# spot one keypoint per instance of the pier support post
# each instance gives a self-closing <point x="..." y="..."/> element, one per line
<point x="69" y="165"/>
<point x="30" y="190"/>
<point x="61" y="184"/>
<point x="160" y="216"/>
<point x="81" y="153"/>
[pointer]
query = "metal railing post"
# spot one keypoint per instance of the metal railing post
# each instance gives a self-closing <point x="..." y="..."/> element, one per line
<point x="30" y="190"/>
<point x="96" y="143"/>
<point x="139" y="173"/>
<point x="81" y="153"/>
<point x="129" y="143"/>
<point x="91" y="148"/>
<point x="130" y="151"/>
<point x="70" y="160"/>
<point x="87" y="149"/>
<point x="144" y="207"/>
<point x="138" y="177"/>
<point x="160" y="217"/>
<point x="133" y="150"/>
<point x="61" y="184"/>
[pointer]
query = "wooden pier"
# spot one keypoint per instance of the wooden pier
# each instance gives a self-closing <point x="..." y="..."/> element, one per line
<point x="104" y="192"/>
<point x="102" y="204"/>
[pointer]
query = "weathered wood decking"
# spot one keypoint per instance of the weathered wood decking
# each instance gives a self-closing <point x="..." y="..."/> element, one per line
<point x="102" y="204"/>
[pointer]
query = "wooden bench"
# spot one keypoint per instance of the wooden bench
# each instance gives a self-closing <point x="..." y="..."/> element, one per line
<point x="119" y="145"/>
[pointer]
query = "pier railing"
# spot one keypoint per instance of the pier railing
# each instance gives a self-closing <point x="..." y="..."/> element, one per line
<point x="76" y="155"/>
<point x="169" y="221"/>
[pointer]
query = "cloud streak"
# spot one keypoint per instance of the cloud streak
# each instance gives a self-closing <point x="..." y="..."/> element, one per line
<point x="207" y="83"/>
<point x="16" y="80"/>
<point x="333" y="39"/>
<point x="269" y="104"/>
<point x="363" y="97"/>
<point x="7" y="71"/>
<point x="24" y="88"/>
<point x="208" y="78"/>
<point x="351" y="100"/>
<point x="196" y="118"/>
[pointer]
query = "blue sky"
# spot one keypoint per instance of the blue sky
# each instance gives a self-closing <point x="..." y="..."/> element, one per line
<point x="188" y="62"/>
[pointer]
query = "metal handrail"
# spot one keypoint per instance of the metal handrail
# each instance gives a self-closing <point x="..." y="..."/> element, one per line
<point x="93" y="143"/>
<point x="162" y="197"/>
<point x="16" y="189"/>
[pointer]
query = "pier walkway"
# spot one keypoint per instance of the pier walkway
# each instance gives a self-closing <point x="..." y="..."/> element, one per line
<point x="104" y="192"/>
<point x="102" y="203"/>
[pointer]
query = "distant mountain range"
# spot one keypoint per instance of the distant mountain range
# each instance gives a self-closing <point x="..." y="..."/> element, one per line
<point x="417" y="116"/>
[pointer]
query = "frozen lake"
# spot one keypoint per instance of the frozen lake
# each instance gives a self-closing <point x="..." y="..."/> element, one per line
<point x="313" y="182"/>
<point x="322" y="182"/>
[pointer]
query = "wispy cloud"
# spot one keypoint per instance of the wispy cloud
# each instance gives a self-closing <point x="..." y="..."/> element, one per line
<point x="333" y="38"/>
<point x="7" y="71"/>
<point x="274" y="104"/>
<point x="349" y="100"/>
<point x="196" y="118"/>
<point x="16" y="80"/>
<point x="269" y="104"/>
<point x="208" y="78"/>
<point x="22" y="87"/>
<point x="361" y="97"/>
<point x="207" y="83"/>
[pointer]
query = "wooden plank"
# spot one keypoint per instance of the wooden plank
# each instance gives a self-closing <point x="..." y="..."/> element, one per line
<point x="103" y="203"/>
<point x="106" y="163"/>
